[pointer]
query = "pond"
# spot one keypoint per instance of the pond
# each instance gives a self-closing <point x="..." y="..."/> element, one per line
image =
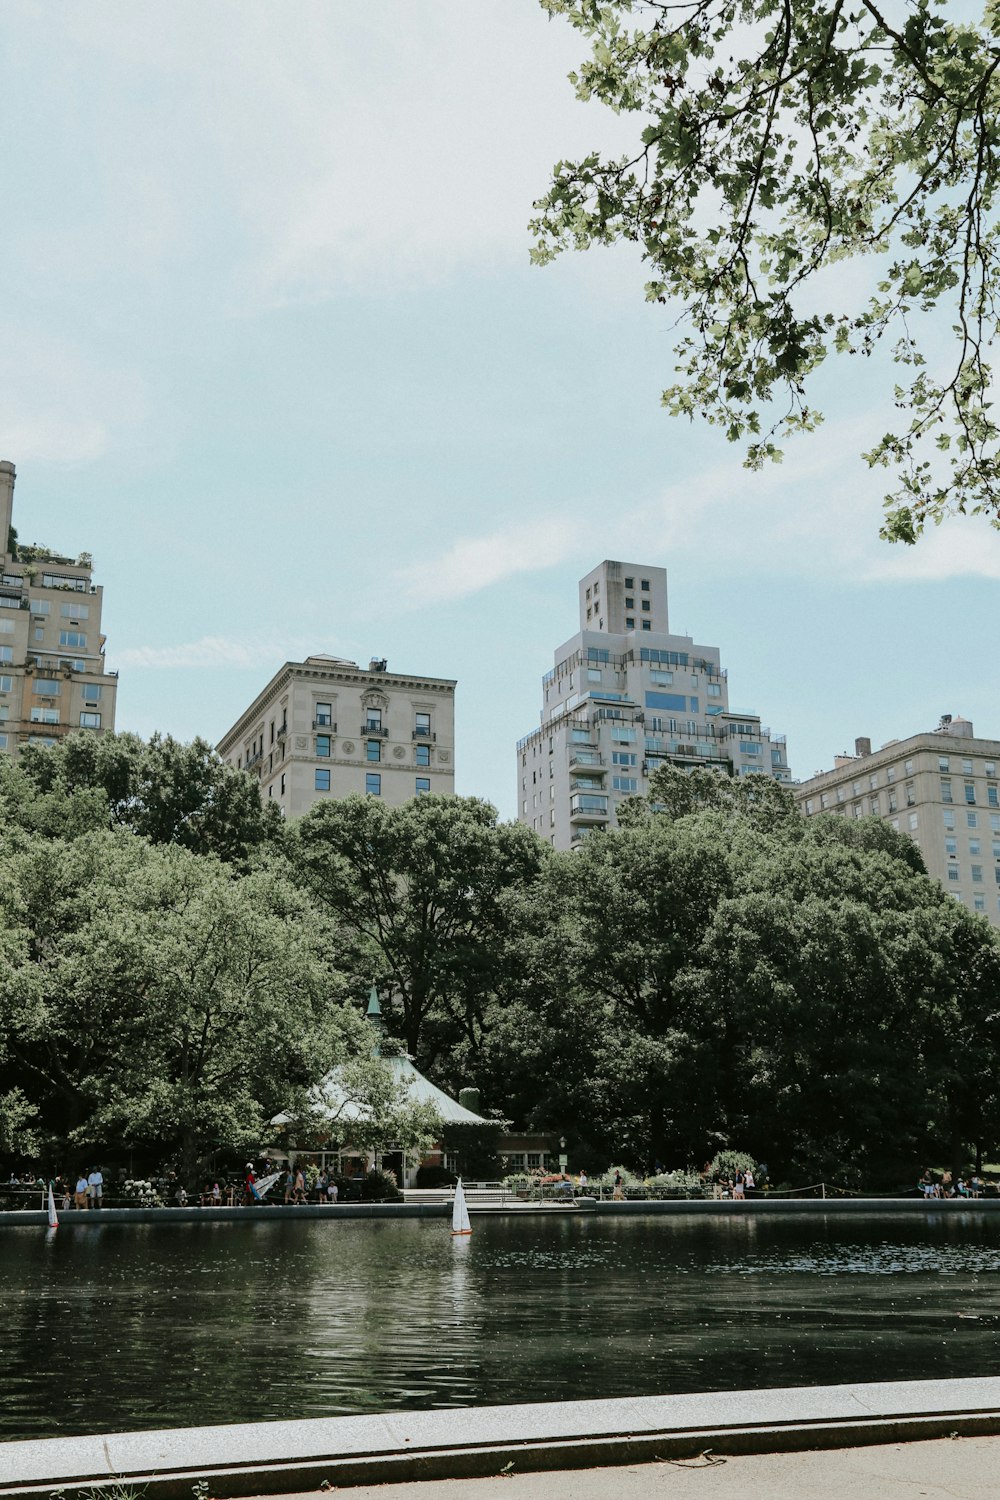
<point x="110" y="1328"/>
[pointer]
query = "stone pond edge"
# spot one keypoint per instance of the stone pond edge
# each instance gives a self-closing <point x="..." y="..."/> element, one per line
<point x="273" y="1458"/>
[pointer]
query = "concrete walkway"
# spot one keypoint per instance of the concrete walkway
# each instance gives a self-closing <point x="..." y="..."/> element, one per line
<point x="959" y="1469"/>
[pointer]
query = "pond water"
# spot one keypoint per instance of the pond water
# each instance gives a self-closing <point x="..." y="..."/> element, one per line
<point x="109" y="1328"/>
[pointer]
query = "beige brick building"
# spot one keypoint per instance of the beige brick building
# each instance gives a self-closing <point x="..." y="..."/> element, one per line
<point x="325" y="727"/>
<point x="624" y="698"/>
<point x="940" y="787"/>
<point x="52" y="672"/>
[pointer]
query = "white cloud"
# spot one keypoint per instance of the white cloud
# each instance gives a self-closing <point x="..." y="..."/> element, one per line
<point x="475" y="563"/>
<point x="214" y="651"/>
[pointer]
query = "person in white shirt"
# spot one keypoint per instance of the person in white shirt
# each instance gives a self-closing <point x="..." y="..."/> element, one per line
<point x="81" y="1192"/>
<point x="95" y="1187"/>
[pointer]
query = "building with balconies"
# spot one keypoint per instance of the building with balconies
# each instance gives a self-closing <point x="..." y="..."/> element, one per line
<point x="624" y="698"/>
<point x="941" y="788"/>
<point x="53" y="677"/>
<point x="325" y="727"/>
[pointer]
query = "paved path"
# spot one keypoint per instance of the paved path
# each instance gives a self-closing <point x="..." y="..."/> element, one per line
<point x="963" y="1469"/>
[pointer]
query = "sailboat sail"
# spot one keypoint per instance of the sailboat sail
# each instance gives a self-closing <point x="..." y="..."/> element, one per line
<point x="53" y="1216"/>
<point x="460" y="1212"/>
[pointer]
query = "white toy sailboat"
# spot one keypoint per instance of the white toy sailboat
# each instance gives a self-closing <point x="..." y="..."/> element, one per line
<point x="53" y="1216"/>
<point x="460" y="1212"/>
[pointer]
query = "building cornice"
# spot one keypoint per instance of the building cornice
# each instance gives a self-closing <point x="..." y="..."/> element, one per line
<point x="931" y="739"/>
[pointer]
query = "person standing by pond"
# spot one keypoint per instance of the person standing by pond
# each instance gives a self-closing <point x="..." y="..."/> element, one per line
<point x="80" y="1195"/>
<point x="95" y="1187"/>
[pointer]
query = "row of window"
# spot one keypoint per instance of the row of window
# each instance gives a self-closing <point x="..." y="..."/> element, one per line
<point x="50" y="687"/>
<point x="373" y="783"/>
<point x="87" y="720"/>
<point x="373" y="750"/>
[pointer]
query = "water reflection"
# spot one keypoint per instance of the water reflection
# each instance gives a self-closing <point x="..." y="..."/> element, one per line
<point x="126" y="1327"/>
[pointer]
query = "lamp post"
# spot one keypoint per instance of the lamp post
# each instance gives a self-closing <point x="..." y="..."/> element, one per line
<point x="562" y="1153"/>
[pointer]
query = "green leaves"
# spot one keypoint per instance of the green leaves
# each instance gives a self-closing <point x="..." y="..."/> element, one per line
<point x="775" y="139"/>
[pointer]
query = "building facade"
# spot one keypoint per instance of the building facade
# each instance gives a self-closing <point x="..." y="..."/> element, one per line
<point x="940" y="787"/>
<point x="325" y="727"/>
<point x="53" y="677"/>
<point x="624" y="698"/>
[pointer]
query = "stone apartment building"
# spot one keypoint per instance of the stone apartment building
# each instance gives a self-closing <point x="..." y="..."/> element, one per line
<point x="624" y="698"/>
<point x="53" y="677"/>
<point x="325" y="727"/>
<point x="940" y="787"/>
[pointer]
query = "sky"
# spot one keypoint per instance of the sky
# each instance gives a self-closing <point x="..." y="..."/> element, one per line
<point x="272" y="350"/>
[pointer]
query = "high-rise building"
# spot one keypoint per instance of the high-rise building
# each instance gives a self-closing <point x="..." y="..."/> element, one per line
<point x="325" y="727"/>
<point x="940" y="787"/>
<point x="624" y="698"/>
<point x="52" y="672"/>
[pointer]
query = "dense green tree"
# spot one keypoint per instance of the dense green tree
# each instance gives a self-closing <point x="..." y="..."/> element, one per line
<point x="171" y="793"/>
<point x="421" y="896"/>
<point x="147" y="996"/>
<point x="773" y="140"/>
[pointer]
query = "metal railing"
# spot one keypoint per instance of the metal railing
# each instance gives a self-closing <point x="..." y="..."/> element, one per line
<point x="373" y="732"/>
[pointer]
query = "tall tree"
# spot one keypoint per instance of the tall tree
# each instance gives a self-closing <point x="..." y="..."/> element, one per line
<point x="148" y="996"/>
<point x="421" y="895"/>
<point x="774" y="139"/>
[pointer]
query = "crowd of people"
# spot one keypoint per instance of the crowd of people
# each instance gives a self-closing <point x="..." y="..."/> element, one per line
<point x="943" y="1186"/>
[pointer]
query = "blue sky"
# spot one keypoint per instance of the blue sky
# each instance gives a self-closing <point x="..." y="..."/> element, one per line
<point x="273" y="351"/>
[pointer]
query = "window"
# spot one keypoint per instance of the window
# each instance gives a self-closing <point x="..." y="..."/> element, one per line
<point x="68" y="611"/>
<point x="3" y="742"/>
<point x="951" y="848"/>
<point x="324" y="714"/>
<point x="373" y="721"/>
<point x="970" y="792"/>
<point x="977" y="874"/>
<point x="995" y="822"/>
<point x="953" y="872"/>
<point x="321" y="781"/>
<point x="6" y="683"/>
<point x="629" y="622"/>
<point x="975" y="848"/>
<point x="373" y="750"/>
<point x="373" y="783"/>
<point x="630" y="583"/>
<point x="675" y="701"/>
<point x="874" y="807"/>
<point x="946" y="791"/>
<point x="323" y="744"/>
<point x="911" y="796"/>
<point x="856" y="788"/>
<point x="422" y="725"/>
<point x="594" y="674"/>
<point x="43" y="607"/>
<point x="913" y="822"/>
<point x="967" y="768"/>
<point x="623" y="734"/>
<point x="892" y="802"/>
<point x="6" y="653"/>
<point x="423" y="755"/>
<point x="47" y="687"/>
<point x="423" y="785"/>
<point x="91" y="692"/>
<point x="949" y="819"/>
<point x="625" y="783"/>
<point x="645" y="604"/>
<point x="972" y="820"/>
<point x="714" y="690"/>
<point x="90" y="720"/>
<point x="908" y="768"/>
<point x="890" y="774"/>
<point x="980" y="903"/>
<point x="660" y="678"/>
<point x="644" y="585"/>
<point x="630" y="604"/>
<point x="872" y="783"/>
<point x="623" y="758"/>
<point x="282" y="783"/>
<point x="45" y="716"/>
<point x="943" y="763"/>
<point x="991" y="796"/>
<point x="647" y="625"/>
<point x="62" y="581"/>
<point x="7" y="627"/>
<point x="990" y="767"/>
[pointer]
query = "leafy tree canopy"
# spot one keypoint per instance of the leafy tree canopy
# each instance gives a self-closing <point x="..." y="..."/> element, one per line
<point x="169" y="792"/>
<point x="773" y="139"/>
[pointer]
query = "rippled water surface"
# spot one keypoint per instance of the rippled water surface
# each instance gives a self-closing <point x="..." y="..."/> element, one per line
<point x="113" y="1327"/>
